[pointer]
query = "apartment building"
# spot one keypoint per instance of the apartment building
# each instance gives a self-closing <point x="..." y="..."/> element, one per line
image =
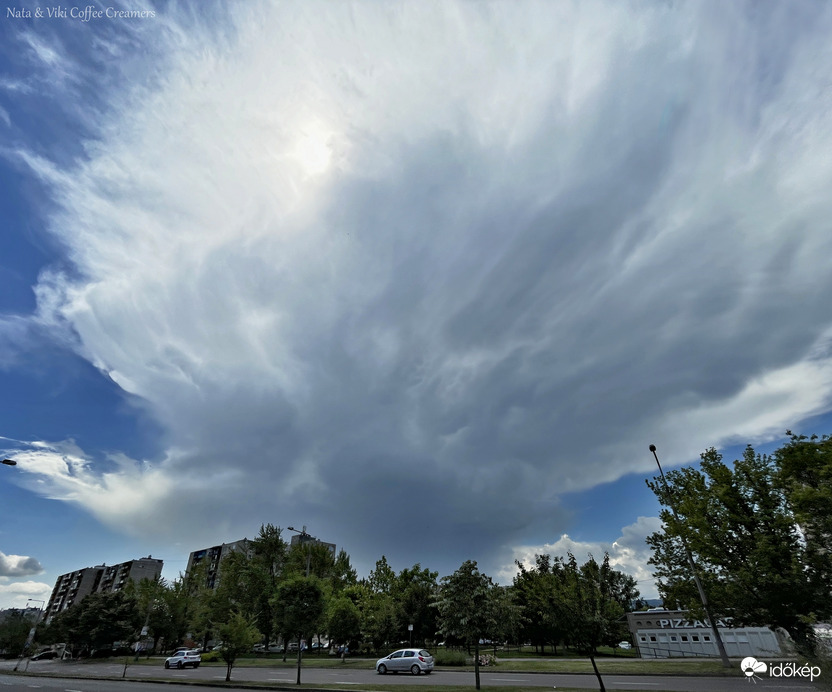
<point x="73" y="587"/>
<point x="213" y="557"/>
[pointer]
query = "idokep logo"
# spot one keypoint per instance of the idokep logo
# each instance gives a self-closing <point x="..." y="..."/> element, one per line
<point x="750" y="667"/>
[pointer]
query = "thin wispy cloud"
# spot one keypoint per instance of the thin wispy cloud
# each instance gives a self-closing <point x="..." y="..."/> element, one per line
<point x="391" y="267"/>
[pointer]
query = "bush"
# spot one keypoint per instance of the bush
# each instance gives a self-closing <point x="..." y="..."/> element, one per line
<point x="449" y="658"/>
<point x="211" y="657"/>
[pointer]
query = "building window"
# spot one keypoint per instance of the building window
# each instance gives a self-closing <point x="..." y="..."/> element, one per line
<point x="706" y="637"/>
<point x="694" y="637"/>
<point x="652" y="637"/>
<point x="673" y="638"/>
<point x="684" y="637"/>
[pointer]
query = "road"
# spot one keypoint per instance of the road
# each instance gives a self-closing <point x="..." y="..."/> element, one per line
<point x="107" y="673"/>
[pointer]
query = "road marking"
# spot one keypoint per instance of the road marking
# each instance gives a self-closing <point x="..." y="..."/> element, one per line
<point x="617" y="682"/>
<point x="280" y="680"/>
<point x="72" y="690"/>
<point x="508" y="679"/>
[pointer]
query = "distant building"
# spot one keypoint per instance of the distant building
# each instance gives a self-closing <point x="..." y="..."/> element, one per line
<point x="214" y="557"/>
<point x="30" y="614"/>
<point x="115" y="577"/>
<point x="659" y="633"/>
<point x="70" y="589"/>
<point x="305" y="538"/>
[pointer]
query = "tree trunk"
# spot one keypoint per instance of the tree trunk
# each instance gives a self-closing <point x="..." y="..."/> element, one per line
<point x="228" y="672"/>
<point x="477" y="662"/>
<point x="597" y="673"/>
<point x="300" y="654"/>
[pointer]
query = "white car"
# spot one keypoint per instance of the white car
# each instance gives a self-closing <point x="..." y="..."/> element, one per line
<point x="183" y="659"/>
<point x="414" y="660"/>
<point x="625" y="645"/>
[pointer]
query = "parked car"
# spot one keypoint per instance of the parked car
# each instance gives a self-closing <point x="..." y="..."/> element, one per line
<point x="625" y="645"/>
<point x="415" y="660"/>
<point x="183" y="659"/>
<point x="44" y="656"/>
<point x="275" y="648"/>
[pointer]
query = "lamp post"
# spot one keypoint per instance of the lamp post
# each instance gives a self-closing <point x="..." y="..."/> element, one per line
<point x="31" y="636"/>
<point x="705" y="606"/>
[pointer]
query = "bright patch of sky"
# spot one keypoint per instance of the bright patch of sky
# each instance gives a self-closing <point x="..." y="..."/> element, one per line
<point x="425" y="277"/>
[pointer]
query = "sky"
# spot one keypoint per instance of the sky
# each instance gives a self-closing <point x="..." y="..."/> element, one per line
<point x="425" y="278"/>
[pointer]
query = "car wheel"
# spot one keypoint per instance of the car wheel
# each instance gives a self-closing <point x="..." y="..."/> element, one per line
<point x="196" y="665"/>
<point x="167" y="665"/>
<point x="179" y="665"/>
<point x="415" y="670"/>
<point x="382" y="669"/>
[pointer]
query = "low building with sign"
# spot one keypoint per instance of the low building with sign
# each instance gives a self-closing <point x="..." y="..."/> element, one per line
<point x="661" y="633"/>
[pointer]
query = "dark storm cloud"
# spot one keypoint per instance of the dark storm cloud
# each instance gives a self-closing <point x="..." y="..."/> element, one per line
<point x="411" y="282"/>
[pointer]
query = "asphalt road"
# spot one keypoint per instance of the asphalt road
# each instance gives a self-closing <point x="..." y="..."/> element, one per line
<point x="109" y="675"/>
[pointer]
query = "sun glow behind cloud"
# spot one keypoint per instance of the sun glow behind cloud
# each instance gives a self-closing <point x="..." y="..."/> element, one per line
<point x="323" y="244"/>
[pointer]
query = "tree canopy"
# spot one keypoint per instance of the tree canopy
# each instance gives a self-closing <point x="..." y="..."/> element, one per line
<point x="753" y="530"/>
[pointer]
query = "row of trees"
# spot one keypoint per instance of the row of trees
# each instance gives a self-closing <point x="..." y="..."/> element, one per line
<point x="299" y="592"/>
<point x="760" y="532"/>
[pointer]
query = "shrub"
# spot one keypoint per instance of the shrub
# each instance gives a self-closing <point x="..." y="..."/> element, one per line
<point x="211" y="657"/>
<point x="449" y="658"/>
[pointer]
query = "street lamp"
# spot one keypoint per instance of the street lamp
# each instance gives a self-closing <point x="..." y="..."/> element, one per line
<point x="31" y="636"/>
<point x="9" y="462"/>
<point x="705" y="606"/>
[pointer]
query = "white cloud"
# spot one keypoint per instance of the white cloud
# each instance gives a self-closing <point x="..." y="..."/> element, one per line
<point x="18" y="566"/>
<point x="120" y="497"/>
<point x="327" y="245"/>
<point x="629" y="553"/>
<point x="16" y="594"/>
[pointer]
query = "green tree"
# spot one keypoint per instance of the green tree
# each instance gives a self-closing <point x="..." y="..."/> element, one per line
<point x="299" y="608"/>
<point x="14" y="631"/>
<point x="310" y="559"/>
<point x="593" y="612"/>
<point x="540" y="595"/>
<point x="467" y="606"/>
<point x="413" y="592"/>
<point x="382" y="579"/>
<point x="238" y="634"/>
<point x="149" y="595"/>
<point x="344" y="621"/>
<point x="804" y="473"/>
<point x="343" y="573"/>
<point x="266" y="568"/>
<point x="754" y="563"/>
<point x="99" y="621"/>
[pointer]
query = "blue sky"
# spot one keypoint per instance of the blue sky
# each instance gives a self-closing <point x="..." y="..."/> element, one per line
<point x="427" y="278"/>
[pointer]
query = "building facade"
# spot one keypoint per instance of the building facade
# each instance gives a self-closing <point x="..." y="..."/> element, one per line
<point x="213" y="556"/>
<point x="306" y="539"/>
<point x="659" y="633"/>
<point x="70" y="589"/>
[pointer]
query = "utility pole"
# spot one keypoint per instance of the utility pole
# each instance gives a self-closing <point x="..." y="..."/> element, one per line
<point x="694" y="571"/>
